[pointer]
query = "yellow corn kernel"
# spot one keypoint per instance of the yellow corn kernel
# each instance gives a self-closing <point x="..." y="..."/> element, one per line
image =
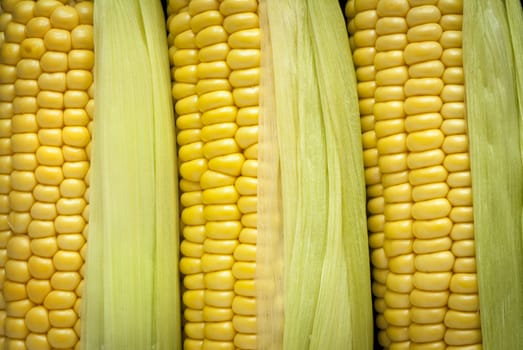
<point x="194" y="299"/>
<point x="402" y="264"/>
<point x="464" y="302"/>
<point x="223" y="230"/>
<point x="212" y="314"/>
<point x="435" y="262"/>
<point x="453" y="75"/>
<point x="466" y="265"/>
<point x="218" y="131"/>
<point x="429" y="299"/>
<point x="459" y="179"/>
<point x="216" y="262"/>
<point x="241" y="21"/>
<point x="396" y="300"/>
<point x="428" y="315"/>
<point x="464" y="283"/>
<point x="62" y="337"/>
<point x="397" y="247"/>
<point x="220" y="246"/>
<point x="397" y="317"/>
<point x="427" y="332"/>
<point x="37" y="319"/>
<point x="220" y="280"/>
<point x="462" y="337"/>
<point x="230" y="7"/>
<point x="63" y="318"/>
<point x="248" y="235"/>
<point x="425" y="32"/>
<point x="219" y="298"/>
<point x="193" y="315"/>
<point x="462" y="320"/>
<point x="425" y="246"/>
<point x="433" y="281"/>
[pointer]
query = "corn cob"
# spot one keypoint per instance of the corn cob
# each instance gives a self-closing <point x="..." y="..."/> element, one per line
<point x="215" y="54"/>
<point x="47" y="110"/>
<point x="421" y="234"/>
<point x="430" y="295"/>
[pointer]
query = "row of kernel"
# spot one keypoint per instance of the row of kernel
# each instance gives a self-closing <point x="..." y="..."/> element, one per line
<point x="86" y="13"/>
<point x="183" y="54"/>
<point x="362" y="30"/>
<point x="242" y="24"/>
<point x="77" y="137"/>
<point x="224" y="161"/>
<point x="462" y="319"/>
<point x="433" y="258"/>
<point x="16" y="264"/>
<point x="77" y="113"/>
<point x="7" y="79"/>
<point x="219" y="197"/>
<point x="391" y="135"/>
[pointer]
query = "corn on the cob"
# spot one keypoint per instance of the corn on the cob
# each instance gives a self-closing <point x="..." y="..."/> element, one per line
<point x="47" y="110"/>
<point x="215" y="54"/>
<point x="424" y="268"/>
<point x="422" y="236"/>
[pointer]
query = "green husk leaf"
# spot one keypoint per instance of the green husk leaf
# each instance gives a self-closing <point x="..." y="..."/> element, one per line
<point x="493" y="118"/>
<point x="326" y="296"/>
<point x="131" y="299"/>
